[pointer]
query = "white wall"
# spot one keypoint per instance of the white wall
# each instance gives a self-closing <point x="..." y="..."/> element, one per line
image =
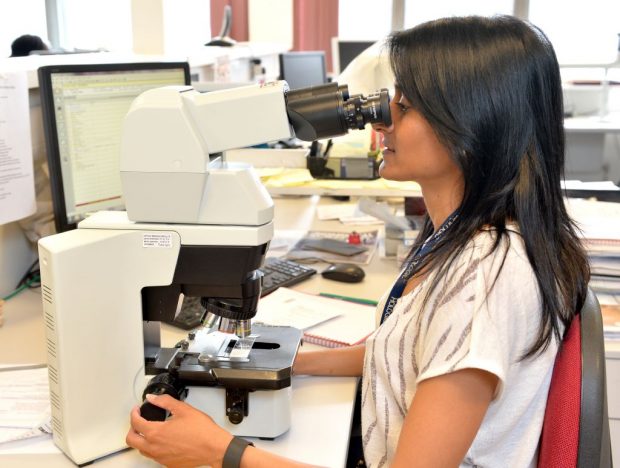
<point x="271" y="21"/>
<point x="96" y="24"/>
<point x="580" y="31"/>
<point x="175" y="27"/>
<point x="364" y="20"/>
<point x="147" y="26"/>
<point x="187" y="25"/>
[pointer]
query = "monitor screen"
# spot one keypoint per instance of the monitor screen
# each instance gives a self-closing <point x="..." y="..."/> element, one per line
<point x="345" y="51"/>
<point x="83" y="110"/>
<point x="303" y="69"/>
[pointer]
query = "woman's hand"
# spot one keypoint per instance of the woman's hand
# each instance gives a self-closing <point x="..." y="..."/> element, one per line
<point x="188" y="438"/>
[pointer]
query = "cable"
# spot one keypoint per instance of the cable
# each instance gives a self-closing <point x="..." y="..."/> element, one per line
<point x="33" y="282"/>
<point x="31" y="279"/>
<point x="29" y="273"/>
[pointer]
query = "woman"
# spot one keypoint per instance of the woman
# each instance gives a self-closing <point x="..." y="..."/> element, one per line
<point x="459" y="370"/>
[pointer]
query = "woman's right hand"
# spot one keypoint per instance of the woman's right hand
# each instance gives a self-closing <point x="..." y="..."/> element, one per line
<point x="187" y="438"/>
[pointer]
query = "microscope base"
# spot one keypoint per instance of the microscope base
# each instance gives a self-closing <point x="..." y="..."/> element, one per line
<point x="269" y="411"/>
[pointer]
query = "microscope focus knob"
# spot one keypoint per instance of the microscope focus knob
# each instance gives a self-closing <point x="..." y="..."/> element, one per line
<point x="235" y="415"/>
<point x="161" y="384"/>
<point x="237" y="403"/>
<point x="152" y="413"/>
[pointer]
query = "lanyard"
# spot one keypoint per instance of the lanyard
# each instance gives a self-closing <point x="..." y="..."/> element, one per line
<point x="412" y="267"/>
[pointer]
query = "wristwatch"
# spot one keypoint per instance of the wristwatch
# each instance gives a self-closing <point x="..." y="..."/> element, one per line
<point x="234" y="452"/>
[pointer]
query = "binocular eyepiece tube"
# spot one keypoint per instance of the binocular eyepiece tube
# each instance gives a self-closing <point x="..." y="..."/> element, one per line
<point x="328" y="110"/>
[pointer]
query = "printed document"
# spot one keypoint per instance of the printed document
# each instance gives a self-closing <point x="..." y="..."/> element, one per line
<point x="24" y="403"/>
<point x="17" y="195"/>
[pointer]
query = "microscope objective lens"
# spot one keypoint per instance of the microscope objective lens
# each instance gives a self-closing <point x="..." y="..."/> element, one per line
<point x="244" y="328"/>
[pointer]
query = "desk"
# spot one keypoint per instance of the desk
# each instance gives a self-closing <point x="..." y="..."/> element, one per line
<point x="354" y="188"/>
<point x="322" y="406"/>
<point x="324" y="403"/>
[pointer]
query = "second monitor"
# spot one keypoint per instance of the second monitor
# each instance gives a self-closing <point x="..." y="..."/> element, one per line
<point x="303" y="69"/>
<point x="344" y="51"/>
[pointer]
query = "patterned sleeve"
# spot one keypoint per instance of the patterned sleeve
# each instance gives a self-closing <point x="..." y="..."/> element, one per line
<point x="469" y="324"/>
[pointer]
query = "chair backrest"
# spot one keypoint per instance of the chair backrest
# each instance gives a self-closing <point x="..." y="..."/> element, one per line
<point x="576" y="429"/>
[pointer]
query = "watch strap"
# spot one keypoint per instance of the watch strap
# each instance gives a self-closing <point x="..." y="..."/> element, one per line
<point x="234" y="452"/>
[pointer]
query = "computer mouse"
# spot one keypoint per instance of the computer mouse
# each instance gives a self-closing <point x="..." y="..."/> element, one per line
<point x="345" y="272"/>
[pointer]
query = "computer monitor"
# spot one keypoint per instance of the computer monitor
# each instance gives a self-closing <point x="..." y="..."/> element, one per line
<point x="83" y="108"/>
<point x="343" y="52"/>
<point x="303" y="69"/>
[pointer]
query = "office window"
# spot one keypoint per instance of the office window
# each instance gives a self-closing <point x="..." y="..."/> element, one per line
<point x="581" y="32"/>
<point x="22" y="17"/>
<point x="419" y="11"/>
<point x="94" y="24"/>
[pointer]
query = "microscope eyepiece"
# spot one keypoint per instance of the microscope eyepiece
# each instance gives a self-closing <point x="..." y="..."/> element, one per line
<point x="328" y="110"/>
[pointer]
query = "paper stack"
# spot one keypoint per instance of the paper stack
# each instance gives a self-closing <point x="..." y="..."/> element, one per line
<point x="611" y="321"/>
<point x="600" y="226"/>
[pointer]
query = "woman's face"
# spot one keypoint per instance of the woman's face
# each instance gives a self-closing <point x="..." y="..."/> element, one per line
<point x="411" y="149"/>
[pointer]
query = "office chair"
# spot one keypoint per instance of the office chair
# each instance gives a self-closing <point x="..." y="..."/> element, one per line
<point x="576" y="429"/>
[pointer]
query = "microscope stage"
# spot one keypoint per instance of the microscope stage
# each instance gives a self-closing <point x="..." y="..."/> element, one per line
<point x="262" y="361"/>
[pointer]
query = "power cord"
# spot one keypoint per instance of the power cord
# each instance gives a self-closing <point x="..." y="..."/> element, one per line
<point x="30" y="280"/>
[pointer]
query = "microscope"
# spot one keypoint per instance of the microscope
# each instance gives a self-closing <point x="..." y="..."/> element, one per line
<point x="195" y="225"/>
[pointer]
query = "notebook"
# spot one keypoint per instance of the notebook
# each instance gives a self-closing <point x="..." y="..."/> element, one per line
<point x="328" y="322"/>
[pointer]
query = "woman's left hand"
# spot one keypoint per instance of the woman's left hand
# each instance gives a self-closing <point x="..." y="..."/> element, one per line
<point x="188" y="438"/>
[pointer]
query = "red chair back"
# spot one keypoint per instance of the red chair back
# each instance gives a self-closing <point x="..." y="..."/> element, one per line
<point x="560" y="434"/>
<point x="575" y="430"/>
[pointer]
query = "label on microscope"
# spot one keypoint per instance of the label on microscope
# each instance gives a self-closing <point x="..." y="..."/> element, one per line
<point x="159" y="240"/>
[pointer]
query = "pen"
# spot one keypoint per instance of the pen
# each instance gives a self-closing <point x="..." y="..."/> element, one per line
<point x="314" y="148"/>
<point x="327" y="148"/>
<point x="356" y="300"/>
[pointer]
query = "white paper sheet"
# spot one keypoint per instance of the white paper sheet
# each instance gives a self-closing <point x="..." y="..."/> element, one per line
<point x="336" y="211"/>
<point x="597" y="220"/>
<point x="347" y="213"/>
<point x="597" y="185"/>
<point x="17" y="195"/>
<point x="24" y="402"/>
<point x="287" y="307"/>
<point x="325" y="321"/>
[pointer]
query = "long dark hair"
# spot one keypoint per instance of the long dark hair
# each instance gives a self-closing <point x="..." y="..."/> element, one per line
<point x="491" y="90"/>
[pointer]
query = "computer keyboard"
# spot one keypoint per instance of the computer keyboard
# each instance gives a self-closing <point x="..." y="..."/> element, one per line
<point x="276" y="272"/>
<point x="279" y="272"/>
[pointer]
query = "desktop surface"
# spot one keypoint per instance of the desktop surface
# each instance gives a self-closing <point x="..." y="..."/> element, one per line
<point x="324" y="402"/>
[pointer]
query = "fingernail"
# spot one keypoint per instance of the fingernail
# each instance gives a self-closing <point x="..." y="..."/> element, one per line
<point x="150" y="397"/>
